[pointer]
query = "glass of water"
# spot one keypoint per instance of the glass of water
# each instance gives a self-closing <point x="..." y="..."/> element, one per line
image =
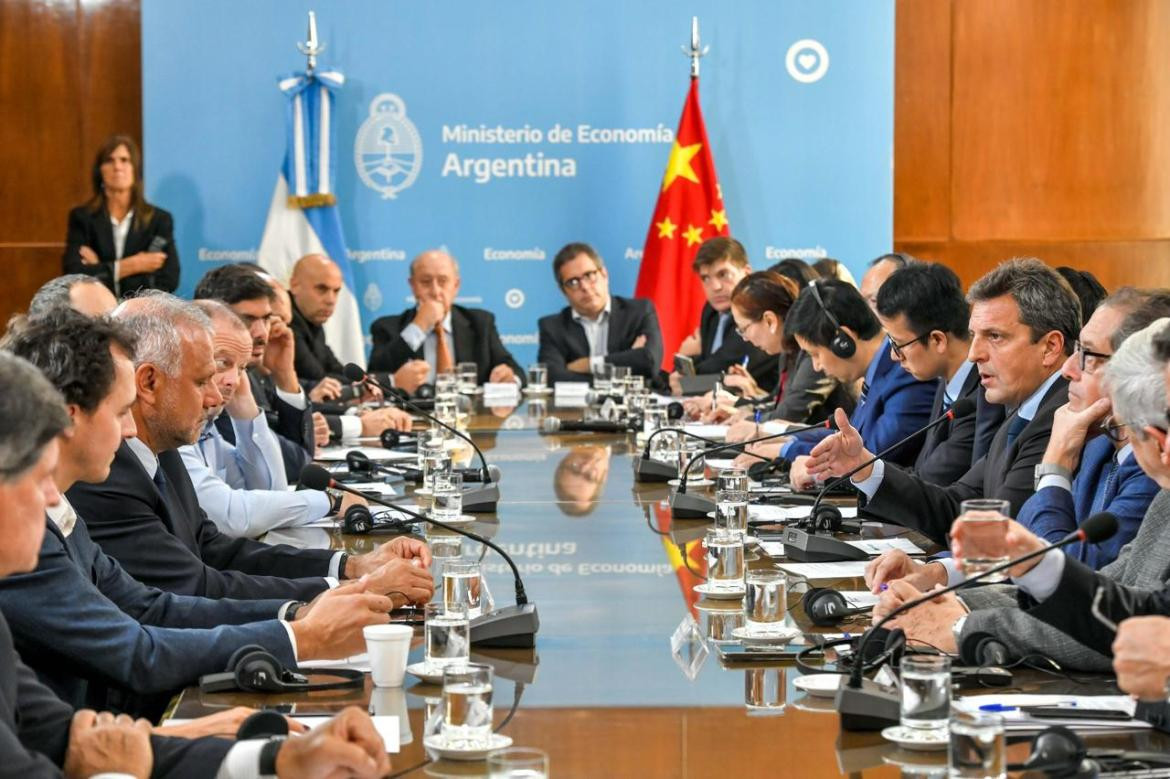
<point x="665" y="445"/>
<point x="446" y="384"/>
<point x="447" y="496"/>
<point x="448" y="635"/>
<point x="463" y="584"/>
<point x="620" y="379"/>
<point x="765" y="691"/>
<point x="985" y="524"/>
<point x="765" y="604"/>
<point x="926" y="691"/>
<point x="635" y="383"/>
<point x="518" y="763"/>
<point x="447" y="410"/>
<point x="977" y="748"/>
<point x="653" y="418"/>
<point x="725" y="560"/>
<point x="467" y="705"/>
<point x="603" y="379"/>
<point x="538" y="376"/>
<point x="443" y="543"/>
<point x="468" y="373"/>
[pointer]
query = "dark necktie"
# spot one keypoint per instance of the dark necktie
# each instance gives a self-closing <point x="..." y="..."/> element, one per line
<point x="720" y="329"/>
<point x="160" y="481"/>
<point x="1109" y="491"/>
<point x="864" y="392"/>
<point x="1015" y="427"/>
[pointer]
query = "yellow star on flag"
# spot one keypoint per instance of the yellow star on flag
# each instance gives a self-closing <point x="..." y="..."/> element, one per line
<point x="679" y="164"/>
<point x="666" y="228"/>
<point x="718" y="219"/>
<point x="693" y="235"/>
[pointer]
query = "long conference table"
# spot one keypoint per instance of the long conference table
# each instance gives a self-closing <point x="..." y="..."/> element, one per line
<point x="604" y="693"/>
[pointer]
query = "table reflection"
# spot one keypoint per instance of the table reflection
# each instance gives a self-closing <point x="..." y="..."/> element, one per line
<point x="580" y="477"/>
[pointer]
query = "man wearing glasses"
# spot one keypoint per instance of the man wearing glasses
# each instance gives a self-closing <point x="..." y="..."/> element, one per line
<point x="596" y="328"/>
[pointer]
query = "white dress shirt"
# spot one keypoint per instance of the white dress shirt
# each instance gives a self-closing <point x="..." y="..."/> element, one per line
<point x="597" y="334"/>
<point x="121" y="230"/>
<point x="415" y="337"/>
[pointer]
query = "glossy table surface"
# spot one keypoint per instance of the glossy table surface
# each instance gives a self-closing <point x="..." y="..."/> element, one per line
<point x="603" y="693"/>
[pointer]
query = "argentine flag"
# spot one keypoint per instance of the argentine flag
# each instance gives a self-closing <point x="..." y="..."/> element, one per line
<point x="303" y="217"/>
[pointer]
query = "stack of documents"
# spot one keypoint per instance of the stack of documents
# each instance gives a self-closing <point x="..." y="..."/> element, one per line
<point x="1018" y="710"/>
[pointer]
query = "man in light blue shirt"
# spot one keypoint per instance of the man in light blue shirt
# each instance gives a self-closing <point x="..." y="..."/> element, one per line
<point x="243" y="487"/>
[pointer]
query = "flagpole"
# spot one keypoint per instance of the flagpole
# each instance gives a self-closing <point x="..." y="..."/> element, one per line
<point x="694" y="51"/>
<point x="312" y="47"/>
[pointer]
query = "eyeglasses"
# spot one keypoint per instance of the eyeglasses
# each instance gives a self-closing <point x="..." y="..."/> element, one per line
<point x="1100" y="357"/>
<point x="575" y="282"/>
<point x="899" y="350"/>
<point x="742" y="331"/>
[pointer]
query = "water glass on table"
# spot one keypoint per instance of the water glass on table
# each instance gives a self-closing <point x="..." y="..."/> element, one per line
<point x="446" y="384"/>
<point x="765" y="691"/>
<point x="619" y="379"/>
<point x="725" y="560"/>
<point x="468" y="373"/>
<point x="731" y="499"/>
<point x="603" y="379"/>
<point x="538" y="377"/>
<point x="977" y="747"/>
<point x="463" y="585"/>
<point x="447" y="496"/>
<point x="518" y="763"/>
<point x="448" y="635"/>
<point x="926" y="691"/>
<point x="467" y="705"/>
<point x="765" y="604"/>
<point x="653" y="417"/>
<point x="985" y="524"/>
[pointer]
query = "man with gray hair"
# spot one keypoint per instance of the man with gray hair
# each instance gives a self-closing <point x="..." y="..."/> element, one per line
<point x="243" y="486"/>
<point x="78" y="291"/>
<point x="147" y="515"/>
<point x="1024" y="322"/>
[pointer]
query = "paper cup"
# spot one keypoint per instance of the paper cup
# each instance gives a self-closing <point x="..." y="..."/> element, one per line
<point x="388" y="647"/>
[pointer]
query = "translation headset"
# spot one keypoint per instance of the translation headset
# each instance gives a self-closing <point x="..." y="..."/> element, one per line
<point x="826" y="607"/>
<point x="841" y="344"/>
<point x="359" y="520"/>
<point x="252" y="668"/>
<point x="890" y="650"/>
<point x="1059" y="751"/>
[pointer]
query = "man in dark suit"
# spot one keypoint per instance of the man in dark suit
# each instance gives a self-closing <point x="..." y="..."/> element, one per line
<point x="438" y="332"/>
<point x="925" y="315"/>
<point x="146" y="514"/>
<point x="314" y="286"/>
<point x="1024" y="322"/>
<point x="596" y="328"/>
<point x="87" y="627"/>
<point x="716" y="346"/>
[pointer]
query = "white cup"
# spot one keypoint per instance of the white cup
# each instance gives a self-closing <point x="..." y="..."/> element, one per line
<point x="388" y="646"/>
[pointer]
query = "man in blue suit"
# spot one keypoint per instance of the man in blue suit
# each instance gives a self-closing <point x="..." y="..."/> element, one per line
<point x="93" y="633"/>
<point x="833" y="324"/>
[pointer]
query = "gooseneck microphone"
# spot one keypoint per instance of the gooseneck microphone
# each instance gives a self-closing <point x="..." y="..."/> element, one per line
<point x="863" y="709"/>
<point x="359" y="462"/>
<point x="826" y="515"/>
<point x="481" y="500"/>
<point x="509" y="627"/>
<point x="557" y="425"/>
<point x="647" y="469"/>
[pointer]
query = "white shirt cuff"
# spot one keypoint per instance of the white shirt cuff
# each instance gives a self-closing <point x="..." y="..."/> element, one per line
<point x="951" y="566"/>
<point x="413" y="335"/>
<point x="1044" y="578"/>
<point x="297" y="400"/>
<point x="772" y="427"/>
<point x="283" y="610"/>
<point x="334" y="565"/>
<point x="242" y="760"/>
<point x="292" y="639"/>
<point x="597" y="364"/>
<point x="1054" y="480"/>
<point x="351" y="427"/>
<point x="870" y="485"/>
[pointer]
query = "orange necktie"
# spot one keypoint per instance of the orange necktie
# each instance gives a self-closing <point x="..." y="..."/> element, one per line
<point x="443" y="361"/>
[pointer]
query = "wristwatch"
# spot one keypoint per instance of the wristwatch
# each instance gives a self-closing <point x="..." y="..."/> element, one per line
<point x="290" y="613"/>
<point x="1049" y="469"/>
<point x="336" y="497"/>
<point x="268" y="754"/>
<point x="957" y="631"/>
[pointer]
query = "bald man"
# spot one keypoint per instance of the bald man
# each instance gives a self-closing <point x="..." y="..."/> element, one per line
<point x="78" y="291"/>
<point x="314" y="286"/>
<point x="468" y="334"/>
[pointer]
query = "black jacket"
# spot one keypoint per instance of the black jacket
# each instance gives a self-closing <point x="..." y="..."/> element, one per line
<point x="1006" y="472"/>
<point x="34" y="729"/>
<point x="93" y="229"/>
<point x="946" y="448"/>
<point x="562" y="340"/>
<point x="314" y="359"/>
<point x="172" y="545"/>
<point x="764" y="367"/>
<point x="473" y="334"/>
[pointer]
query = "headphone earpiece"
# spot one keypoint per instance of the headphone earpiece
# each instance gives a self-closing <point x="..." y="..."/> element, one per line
<point x="841" y="344"/>
<point x="358" y="520"/>
<point x="1056" y="750"/>
<point x="258" y="670"/>
<point x="828" y="518"/>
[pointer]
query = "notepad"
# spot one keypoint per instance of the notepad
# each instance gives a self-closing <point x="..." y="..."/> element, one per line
<point x="1018" y="721"/>
<point x="781" y="513"/>
<point x="841" y="570"/>
<point x="338" y="453"/>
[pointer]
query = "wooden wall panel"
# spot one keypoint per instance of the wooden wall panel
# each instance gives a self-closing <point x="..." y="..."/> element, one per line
<point x="70" y="74"/>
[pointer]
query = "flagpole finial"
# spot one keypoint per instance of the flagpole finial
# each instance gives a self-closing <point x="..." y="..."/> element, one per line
<point x="695" y="51"/>
<point x="312" y="47"/>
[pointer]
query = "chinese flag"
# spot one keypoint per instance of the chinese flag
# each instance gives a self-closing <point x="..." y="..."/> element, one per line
<point x="689" y="211"/>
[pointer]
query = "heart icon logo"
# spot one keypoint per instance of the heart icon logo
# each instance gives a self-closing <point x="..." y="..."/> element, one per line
<point x="807" y="61"/>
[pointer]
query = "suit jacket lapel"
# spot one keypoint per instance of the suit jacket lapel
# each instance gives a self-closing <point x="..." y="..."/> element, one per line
<point x="615" y="340"/>
<point x="575" y="341"/>
<point x="708" y="322"/>
<point x="462" y="337"/>
<point x="105" y="233"/>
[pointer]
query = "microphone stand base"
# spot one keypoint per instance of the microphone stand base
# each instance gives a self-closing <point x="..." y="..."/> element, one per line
<point x="803" y="547"/>
<point x="685" y="505"/>
<point x="512" y="627"/>
<point x="872" y="707"/>
<point x="482" y="499"/>
<point x="647" y="470"/>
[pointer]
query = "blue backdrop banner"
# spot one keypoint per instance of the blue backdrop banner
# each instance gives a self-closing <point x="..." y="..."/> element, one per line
<point x="502" y="131"/>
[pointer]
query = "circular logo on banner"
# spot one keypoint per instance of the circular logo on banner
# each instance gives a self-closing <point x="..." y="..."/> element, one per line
<point x="387" y="151"/>
<point x="373" y="297"/>
<point x="807" y="61"/>
<point x="514" y="298"/>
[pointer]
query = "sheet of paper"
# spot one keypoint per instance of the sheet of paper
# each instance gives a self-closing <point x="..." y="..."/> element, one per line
<point x="385" y="724"/>
<point x="380" y="487"/>
<point x="1021" y="721"/>
<point x="706" y="431"/>
<point x="876" y="546"/>
<point x="779" y="513"/>
<point x="772" y="548"/>
<point x="860" y="598"/>
<point x="337" y="453"/>
<point x="826" y="570"/>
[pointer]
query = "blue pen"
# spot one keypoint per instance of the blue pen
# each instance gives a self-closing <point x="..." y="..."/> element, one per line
<point x="993" y="707"/>
<point x="745" y="361"/>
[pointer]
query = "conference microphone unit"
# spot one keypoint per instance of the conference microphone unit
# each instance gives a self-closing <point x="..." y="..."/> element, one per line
<point x="684" y="505"/>
<point x="557" y="425"/>
<point x="360" y="463"/>
<point x="510" y="627"/>
<point x="825" y="516"/>
<point x="482" y="500"/>
<point x="647" y="469"/>
<point x="868" y="709"/>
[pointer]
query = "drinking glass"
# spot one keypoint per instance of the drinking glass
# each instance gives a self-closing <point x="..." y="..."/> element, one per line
<point x="665" y="445"/>
<point x="977" y="748"/>
<point x="725" y="560"/>
<point x="603" y="379"/>
<point x="765" y="604"/>
<point x="443" y="543"/>
<point x="435" y="459"/>
<point x="635" y="383"/>
<point x="446" y="384"/>
<point x="765" y="691"/>
<point x="653" y="418"/>
<point x="468" y="373"/>
<point x="926" y="691"/>
<point x="447" y="496"/>
<point x="538" y="376"/>
<point x="518" y="763"/>
<point x="447" y="410"/>
<point x="619" y="379"/>
<point x="448" y="635"/>
<point x="985" y="524"/>
<point x="467" y="705"/>
<point x="718" y="624"/>
<point x="463" y="584"/>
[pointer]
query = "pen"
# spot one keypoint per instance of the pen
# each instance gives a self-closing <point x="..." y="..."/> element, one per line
<point x="745" y="361"/>
<point x="994" y="707"/>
